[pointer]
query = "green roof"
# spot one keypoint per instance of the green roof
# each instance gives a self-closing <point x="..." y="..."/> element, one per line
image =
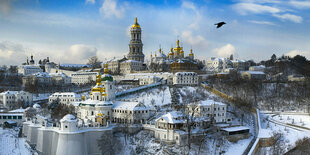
<point x="107" y="77"/>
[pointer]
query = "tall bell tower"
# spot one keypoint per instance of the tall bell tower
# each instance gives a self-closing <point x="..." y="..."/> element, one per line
<point x="135" y="45"/>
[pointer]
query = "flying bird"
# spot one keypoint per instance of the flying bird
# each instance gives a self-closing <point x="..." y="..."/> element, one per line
<point x="220" y="24"/>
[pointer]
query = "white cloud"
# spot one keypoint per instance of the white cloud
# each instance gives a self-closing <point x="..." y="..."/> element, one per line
<point x="110" y="9"/>
<point x="225" y="51"/>
<point x="197" y="18"/>
<point x="80" y="52"/>
<point x="194" y="40"/>
<point x="262" y="22"/>
<point x="245" y="8"/>
<point x="12" y="53"/>
<point x="298" y="52"/>
<point x="290" y="17"/>
<point x="300" y="4"/>
<point x="90" y="1"/>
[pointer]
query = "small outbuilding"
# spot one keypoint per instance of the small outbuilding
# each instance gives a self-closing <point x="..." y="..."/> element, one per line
<point x="236" y="133"/>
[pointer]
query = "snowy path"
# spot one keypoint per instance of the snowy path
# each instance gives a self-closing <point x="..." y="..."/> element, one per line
<point x="11" y="144"/>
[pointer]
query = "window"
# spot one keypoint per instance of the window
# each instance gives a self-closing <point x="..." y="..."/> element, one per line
<point x="9" y="117"/>
<point x="19" y="117"/>
<point x="0" y="117"/>
<point x="4" y="117"/>
<point x="66" y="126"/>
<point x="14" y="117"/>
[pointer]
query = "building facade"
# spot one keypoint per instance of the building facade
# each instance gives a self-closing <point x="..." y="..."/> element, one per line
<point x="9" y="99"/>
<point x="65" y="97"/>
<point x="81" y="78"/>
<point x="185" y="78"/>
<point x="209" y="109"/>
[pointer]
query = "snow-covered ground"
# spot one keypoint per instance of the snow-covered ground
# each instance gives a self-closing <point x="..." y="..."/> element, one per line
<point x="239" y="147"/>
<point x="290" y="135"/>
<point x="10" y="144"/>
<point x="300" y="120"/>
<point x="161" y="96"/>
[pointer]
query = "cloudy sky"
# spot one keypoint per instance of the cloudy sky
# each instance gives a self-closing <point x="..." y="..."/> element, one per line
<point x="70" y="31"/>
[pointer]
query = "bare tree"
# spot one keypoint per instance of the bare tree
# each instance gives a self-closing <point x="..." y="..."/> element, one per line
<point x="279" y="146"/>
<point x="94" y="62"/>
<point x="108" y="144"/>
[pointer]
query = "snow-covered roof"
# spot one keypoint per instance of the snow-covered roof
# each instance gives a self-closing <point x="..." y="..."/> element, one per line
<point x="11" y="122"/>
<point x="96" y="102"/>
<point x="125" y="105"/>
<point x="75" y="103"/>
<point x="58" y="74"/>
<point x="36" y="106"/>
<point x="75" y="65"/>
<point x="69" y="118"/>
<point x="29" y="67"/>
<point x="149" y="74"/>
<point x="137" y="88"/>
<point x="210" y="102"/>
<point x="235" y="128"/>
<point x="173" y="117"/>
<point x="254" y="72"/>
<point x="238" y="60"/>
<point x="21" y="110"/>
<point x="42" y="74"/>
<point x="132" y="61"/>
<point x="11" y="92"/>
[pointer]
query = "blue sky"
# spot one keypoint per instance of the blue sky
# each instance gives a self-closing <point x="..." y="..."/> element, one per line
<point x="70" y="31"/>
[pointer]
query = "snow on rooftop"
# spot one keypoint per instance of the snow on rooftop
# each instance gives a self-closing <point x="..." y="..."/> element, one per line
<point x="69" y="118"/>
<point x="21" y="110"/>
<point x="42" y="74"/>
<point x="173" y="117"/>
<point x="129" y="105"/>
<point x="235" y="128"/>
<point x="254" y="72"/>
<point x="11" y="92"/>
<point x="95" y="102"/>
<point x="132" y="61"/>
<point x="58" y="74"/>
<point x="36" y="106"/>
<point x="75" y="65"/>
<point x="211" y="102"/>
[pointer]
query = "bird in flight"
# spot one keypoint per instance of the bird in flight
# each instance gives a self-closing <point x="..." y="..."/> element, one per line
<point x="220" y="24"/>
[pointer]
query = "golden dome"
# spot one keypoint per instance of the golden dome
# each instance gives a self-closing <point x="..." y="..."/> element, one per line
<point x="98" y="79"/>
<point x="171" y="51"/>
<point x="191" y="54"/>
<point x="178" y="48"/>
<point x="106" y="70"/>
<point x="135" y="24"/>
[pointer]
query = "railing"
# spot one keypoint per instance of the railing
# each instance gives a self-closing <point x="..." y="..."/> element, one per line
<point x="138" y="89"/>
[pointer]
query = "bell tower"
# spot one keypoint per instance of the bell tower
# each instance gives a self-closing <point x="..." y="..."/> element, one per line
<point x="135" y="45"/>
